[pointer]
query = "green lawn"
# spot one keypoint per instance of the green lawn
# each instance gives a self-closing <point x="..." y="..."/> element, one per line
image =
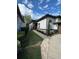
<point x="30" y="39"/>
<point x="33" y="38"/>
<point x="31" y="52"/>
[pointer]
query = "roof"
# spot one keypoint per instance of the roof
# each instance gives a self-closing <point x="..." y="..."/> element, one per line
<point x="18" y="13"/>
<point x="32" y="21"/>
<point x="57" y="23"/>
<point x="47" y="15"/>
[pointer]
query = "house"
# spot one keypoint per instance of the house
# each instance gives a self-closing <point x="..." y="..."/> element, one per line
<point x="59" y="26"/>
<point x="48" y="24"/>
<point x="20" y="21"/>
<point x="33" y="24"/>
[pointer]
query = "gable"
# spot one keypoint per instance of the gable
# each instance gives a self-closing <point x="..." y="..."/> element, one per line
<point x="48" y="16"/>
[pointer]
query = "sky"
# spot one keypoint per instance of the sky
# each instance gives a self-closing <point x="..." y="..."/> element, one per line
<point x="38" y="8"/>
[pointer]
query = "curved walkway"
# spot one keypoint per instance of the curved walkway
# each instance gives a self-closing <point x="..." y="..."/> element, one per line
<point x="35" y="45"/>
<point x="50" y="46"/>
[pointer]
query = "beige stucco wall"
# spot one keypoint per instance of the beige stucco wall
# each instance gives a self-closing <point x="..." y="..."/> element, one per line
<point x="51" y="47"/>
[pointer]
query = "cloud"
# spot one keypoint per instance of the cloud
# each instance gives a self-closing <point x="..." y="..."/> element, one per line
<point x="40" y="2"/>
<point x="58" y="2"/>
<point x="24" y="10"/>
<point x="52" y="8"/>
<point x="45" y="6"/>
<point x="36" y="16"/>
<point x="56" y="13"/>
<point x="47" y="0"/>
<point x="30" y="5"/>
<point x="25" y="1"/>
<point x="40" y="8"/>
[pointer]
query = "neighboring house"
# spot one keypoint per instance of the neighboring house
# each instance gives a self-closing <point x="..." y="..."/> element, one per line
<point x="32" y="25"/>
<point x="47" y="25"/>
<point x="59" y="26"/>
<point x="20" y="21"/>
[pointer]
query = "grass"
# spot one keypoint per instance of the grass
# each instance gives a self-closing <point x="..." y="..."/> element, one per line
<point x="31" y="52"/>
<point x="30" y="39"/>
<point x="34" y="53"/>
<point x="33" y="38"/>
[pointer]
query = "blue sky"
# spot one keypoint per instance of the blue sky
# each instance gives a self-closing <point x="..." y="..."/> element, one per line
<point x="38" y="8"/>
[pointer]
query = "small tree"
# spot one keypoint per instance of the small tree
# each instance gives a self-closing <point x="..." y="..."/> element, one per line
<point x="27" y="19"/>
<point x="49" y="27"/>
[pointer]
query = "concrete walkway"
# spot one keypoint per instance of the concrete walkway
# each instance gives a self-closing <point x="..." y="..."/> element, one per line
<point x="51" y="46"/>
<point x="40" y="34"/>
<point x="39" y="43"/>
<point x="35" y="45"/>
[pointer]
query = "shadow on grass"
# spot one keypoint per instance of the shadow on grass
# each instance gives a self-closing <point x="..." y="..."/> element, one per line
<point x="32" y="52"/>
